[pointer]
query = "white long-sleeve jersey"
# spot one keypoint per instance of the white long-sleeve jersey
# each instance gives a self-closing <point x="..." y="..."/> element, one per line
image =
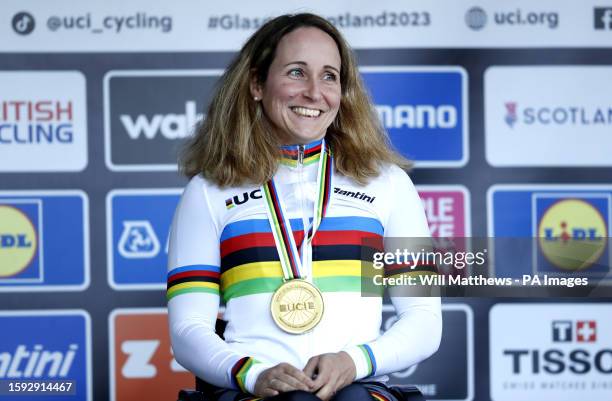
<point x="221" y="246"/>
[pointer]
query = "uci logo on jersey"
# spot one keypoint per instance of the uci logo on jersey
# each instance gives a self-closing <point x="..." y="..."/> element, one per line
<point x="230" y="203"/>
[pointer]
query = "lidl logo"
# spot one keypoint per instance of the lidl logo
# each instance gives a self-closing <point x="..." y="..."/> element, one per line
<point x="571" y="231"/>
<point x="47" y="345"/>
<point x="44" y="241"/>
<point x="141" y="362"/>
<point x="19" y="231"/>
<point x="550" y="229"/>
<point x="138" y="226"/>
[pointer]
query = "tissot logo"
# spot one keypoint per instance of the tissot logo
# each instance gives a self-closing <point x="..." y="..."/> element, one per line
<point x="149" y="115"/>
<point x="565" y="354"/>
<point x="581" y="331"/>
<point x="242" y="198"/>
<point x="603" y="18"/>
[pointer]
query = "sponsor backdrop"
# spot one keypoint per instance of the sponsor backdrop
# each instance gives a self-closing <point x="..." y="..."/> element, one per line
<point x="505" y="108"/>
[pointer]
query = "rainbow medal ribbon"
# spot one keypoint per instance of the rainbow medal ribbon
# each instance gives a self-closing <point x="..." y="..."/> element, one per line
<point x="297" y="305"/>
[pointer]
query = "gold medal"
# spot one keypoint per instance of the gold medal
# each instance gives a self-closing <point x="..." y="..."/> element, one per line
<point x="297" y="306"/>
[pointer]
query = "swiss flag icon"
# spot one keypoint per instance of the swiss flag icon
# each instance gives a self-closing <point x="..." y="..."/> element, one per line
<point x="586" y="331"/>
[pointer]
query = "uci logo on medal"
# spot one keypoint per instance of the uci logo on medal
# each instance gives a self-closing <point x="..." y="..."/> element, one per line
<point x="572" y="232"/>
<point x="18" y="238"/>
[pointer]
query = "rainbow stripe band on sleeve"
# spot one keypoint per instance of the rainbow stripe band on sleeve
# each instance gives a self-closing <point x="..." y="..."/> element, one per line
<point x="192" y="278"/>
<point x="240" y="370"/>
<point x="369" y="356"/>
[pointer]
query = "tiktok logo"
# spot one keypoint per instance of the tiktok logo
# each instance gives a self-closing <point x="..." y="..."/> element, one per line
<point x="23" y="23"/>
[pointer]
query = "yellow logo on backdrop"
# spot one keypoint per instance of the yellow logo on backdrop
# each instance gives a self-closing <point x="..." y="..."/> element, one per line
<point x="572" y="234"/>
<point x="18" y="241"/>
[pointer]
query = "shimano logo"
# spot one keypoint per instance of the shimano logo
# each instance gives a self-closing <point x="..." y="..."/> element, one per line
<point x="36" y="362"/>
<point x="170" y="126"/>
<point x="357" y="195"/>
<point x="418" y="116"/>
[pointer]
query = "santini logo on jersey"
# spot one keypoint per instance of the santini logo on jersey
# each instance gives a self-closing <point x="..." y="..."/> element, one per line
<point x="356" y="195"/>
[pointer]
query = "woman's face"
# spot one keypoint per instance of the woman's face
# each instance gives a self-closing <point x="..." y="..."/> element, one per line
<point x="301" y="95"/>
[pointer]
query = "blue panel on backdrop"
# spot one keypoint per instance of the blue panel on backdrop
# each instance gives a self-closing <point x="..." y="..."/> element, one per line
<point x="44" y="241"/>
<point x="557" y="224"/>
<point x="139" y="228"/>
<point x="424" y="111"/>
<point x="47" y="345"/>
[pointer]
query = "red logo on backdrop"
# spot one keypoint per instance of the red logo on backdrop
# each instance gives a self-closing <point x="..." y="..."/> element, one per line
<point x="144" y="368"/>
<point x="445" y="211"/>
<point x="586" y="331"/>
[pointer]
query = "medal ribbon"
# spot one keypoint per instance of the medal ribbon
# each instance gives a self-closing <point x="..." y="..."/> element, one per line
<point x="279" y="222"/>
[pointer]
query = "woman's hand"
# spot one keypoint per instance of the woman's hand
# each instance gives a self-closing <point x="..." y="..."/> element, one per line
<point x="333" y="372"/>
<point x="280" y="379"/>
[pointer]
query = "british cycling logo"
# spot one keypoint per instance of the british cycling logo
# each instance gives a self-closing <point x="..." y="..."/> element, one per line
<point x="23" y="23"/>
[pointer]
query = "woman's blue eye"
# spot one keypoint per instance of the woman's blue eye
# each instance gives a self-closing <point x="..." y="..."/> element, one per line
<point x="330" y="76"/>
<point x="296" y="72"/>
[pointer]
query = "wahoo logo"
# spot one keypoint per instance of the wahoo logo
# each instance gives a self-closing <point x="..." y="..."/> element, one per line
<point x="47" y="345"/>
<point x="357" y="195"/>
<point x="149" y="114"/>
<point x="418" y="116"/>
<point x="242" y="198"/>
<point x="170" y="126"/>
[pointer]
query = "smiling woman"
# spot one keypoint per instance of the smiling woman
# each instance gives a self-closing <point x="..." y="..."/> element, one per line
<point x="301" y="95"/>
<point x="266" y="225"/>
